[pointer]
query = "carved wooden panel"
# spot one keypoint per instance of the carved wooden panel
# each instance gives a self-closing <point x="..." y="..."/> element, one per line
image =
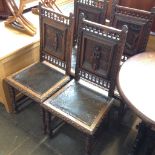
<point x="96" y="56"/>
<point x="93" y="11"/>
<point x="142" y="5"/>
<point x="90" y="14"/>
<point x="99" y="53"/>
<point x="133" y="37"/>
<point x="54" y="42"/>
<point x="139" y="24"/>
<point x="56" y="38"/>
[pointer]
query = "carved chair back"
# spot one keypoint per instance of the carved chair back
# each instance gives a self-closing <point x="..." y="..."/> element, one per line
<point x="56" y="35"/>
<point x="139" y="24"/>
<point x="94" y="11"/>
<point x="99" y="53"/>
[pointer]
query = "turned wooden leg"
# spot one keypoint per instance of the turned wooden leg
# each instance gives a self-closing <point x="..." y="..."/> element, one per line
<point x="43" y="114"/>
<point x="52" y="123"/>
<point x="88" y="147"/>
<point x="49" y="130"/>
<point x="13" y="98"/>
<point x="121" y="112"/>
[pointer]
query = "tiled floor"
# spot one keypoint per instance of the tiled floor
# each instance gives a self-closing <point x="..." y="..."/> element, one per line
<point x="21" y="134"/>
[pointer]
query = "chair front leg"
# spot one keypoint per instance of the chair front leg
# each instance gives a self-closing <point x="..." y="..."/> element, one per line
<point x="43" y="114"/>
<point x="122" y="109"/>
<point x="49" y="130"/>
<point x="121" y="113"/>
<point x="53" y="124"/>
<point x="88" y="146"/>
<point x="13" y="98"/>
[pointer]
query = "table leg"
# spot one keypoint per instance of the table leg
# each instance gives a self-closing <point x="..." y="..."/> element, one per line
<point x="150" y="142"/>
<point x="142" y="129"/>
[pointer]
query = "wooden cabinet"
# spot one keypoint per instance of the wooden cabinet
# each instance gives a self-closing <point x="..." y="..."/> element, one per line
<point x="139" y="4"/>
<point x="4" y="11"/>
<point x="16" y="52"/>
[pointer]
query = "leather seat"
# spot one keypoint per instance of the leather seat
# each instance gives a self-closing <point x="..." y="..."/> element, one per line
<point x="81" y="105"/>
<point x="38" y="81"/>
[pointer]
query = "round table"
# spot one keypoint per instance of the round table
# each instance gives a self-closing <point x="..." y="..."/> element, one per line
<point x="136" y="85"/>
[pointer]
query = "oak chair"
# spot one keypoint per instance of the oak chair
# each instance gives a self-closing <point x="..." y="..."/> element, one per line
<point x="40" y="80"/>
<point x="139" y="24"/>
<point x="82" y="103"/>
<point x="94" y="11"/>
